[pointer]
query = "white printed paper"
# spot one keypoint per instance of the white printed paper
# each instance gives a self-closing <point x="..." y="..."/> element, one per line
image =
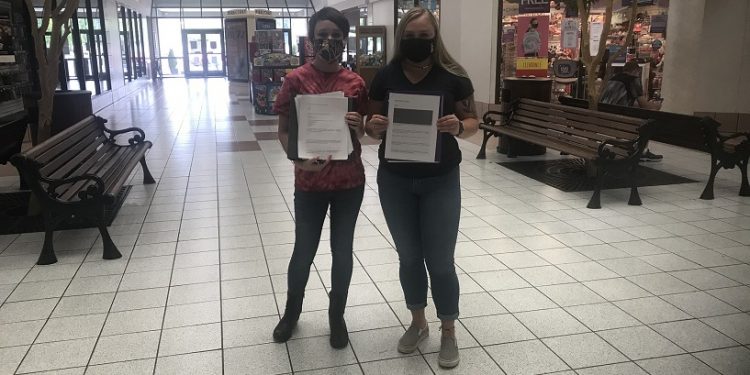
<point x="322" y="128"/>
<point x="412" y="134"/>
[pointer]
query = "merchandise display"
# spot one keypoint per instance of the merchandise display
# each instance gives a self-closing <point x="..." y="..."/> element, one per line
<point x="270" y="66"/>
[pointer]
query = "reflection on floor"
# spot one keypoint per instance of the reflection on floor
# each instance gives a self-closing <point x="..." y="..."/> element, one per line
<point x="547" y="285"/>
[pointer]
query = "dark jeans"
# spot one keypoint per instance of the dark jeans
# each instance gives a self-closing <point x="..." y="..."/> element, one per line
<point x="422" y="215"/>
<point x="310" y="211"/>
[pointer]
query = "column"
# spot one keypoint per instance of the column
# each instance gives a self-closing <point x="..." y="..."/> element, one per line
<point x="380" y="13"/>
<point x="680" y="87"/>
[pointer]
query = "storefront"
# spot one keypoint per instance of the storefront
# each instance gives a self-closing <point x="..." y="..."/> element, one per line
<point x="529" y="36"/>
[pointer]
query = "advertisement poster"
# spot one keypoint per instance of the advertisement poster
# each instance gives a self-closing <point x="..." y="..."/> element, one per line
<point x="6" y="34"/>
<point x="569" y="33"/>
<point x="532" y="42"/>
<point x="595" y="31"/>
<point x="237" y="55"/>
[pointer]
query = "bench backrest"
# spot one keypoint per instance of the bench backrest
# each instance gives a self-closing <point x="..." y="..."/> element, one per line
<point x="64" y="153"/>
<point x="672" y="128"/>
<point x="583" y="127"/>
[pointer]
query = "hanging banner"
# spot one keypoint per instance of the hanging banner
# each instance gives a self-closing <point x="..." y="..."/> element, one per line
<point x="595" y="35"/>
<point x="533" y="6"/>
<point x="658" y="23"/>
<point x="235" y="37"/>
<point x="569" y="33"/>
<point x="532" y="43"/>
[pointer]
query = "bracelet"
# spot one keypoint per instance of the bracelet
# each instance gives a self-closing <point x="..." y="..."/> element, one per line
<point x="460" y="128"/>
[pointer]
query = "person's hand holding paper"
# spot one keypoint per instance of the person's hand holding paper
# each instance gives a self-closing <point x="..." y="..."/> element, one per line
<point x="323" y="123"/>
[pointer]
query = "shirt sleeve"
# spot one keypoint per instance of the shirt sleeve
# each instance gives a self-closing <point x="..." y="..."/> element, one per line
<point x="287" y="92"/>
<point x="377" y="86"/>
<point x="464" y="89"/>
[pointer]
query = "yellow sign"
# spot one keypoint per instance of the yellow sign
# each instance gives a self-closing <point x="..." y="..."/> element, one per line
<point x="531" y="63"/>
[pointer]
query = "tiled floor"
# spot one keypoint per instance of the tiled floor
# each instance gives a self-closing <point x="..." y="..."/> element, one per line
<point x="548" y="286"/>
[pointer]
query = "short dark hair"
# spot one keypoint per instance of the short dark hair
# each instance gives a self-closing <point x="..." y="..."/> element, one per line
<point x="328" y="14"/>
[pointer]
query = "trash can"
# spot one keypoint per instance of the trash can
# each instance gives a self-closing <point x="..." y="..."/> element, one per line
<point x="517" y="88"/>
<point x="70" y="107"/>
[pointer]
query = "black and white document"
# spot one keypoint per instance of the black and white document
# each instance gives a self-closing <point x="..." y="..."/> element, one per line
<point x="412" y="134"/>
<point x="321" y="126"/>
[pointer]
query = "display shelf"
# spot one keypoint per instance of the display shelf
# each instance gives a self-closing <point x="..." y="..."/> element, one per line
<point x="270" y="66"/>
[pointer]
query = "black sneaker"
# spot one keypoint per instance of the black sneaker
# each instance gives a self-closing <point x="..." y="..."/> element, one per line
<point x="649" y="156"/>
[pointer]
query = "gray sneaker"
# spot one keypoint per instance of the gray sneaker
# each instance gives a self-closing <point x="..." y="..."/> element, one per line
<point x="409" y="342"/>
<point x="448" y="357"/>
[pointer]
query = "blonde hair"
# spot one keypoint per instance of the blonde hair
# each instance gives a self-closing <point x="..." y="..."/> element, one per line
<point x="440" y="55"/>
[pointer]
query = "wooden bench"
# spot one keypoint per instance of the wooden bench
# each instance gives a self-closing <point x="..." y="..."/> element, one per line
<point x="78" y="172"/>
<point x="692" y="132"/>
<point x="613" y="144"/>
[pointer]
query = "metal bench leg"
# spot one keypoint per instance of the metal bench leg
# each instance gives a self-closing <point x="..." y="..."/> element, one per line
<point x="110" y="249"/>
<point x="483" y="150"/>
<point x="511" y="147"/>
<point x="48" y="250"/>
<point x="635" y="198"/>
<point x="595" y="201"/>
<point x="708" y="192"/>
<point x="147" y="178"/>
<point x="745" y="187"/>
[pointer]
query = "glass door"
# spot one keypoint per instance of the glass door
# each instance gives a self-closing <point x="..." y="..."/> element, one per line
<point x="204" y="53"/>
<point x="214" y="54"/>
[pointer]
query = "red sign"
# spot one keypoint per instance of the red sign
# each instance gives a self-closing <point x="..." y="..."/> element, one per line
<point x="532" y="41"/>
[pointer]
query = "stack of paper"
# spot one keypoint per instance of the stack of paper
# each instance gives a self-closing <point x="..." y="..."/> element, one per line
<point x="317" y="127"/>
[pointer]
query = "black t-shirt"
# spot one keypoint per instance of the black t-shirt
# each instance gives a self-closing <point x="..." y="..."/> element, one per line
<point x="453" y="88"/>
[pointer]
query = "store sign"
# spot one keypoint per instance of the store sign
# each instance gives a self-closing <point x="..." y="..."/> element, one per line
<point x="533" y="6"/>
<point x="569" y="33"/>
<point x="236" y="12"/>
<point x="658" y="24"/>
<point x="263" y="12"/>
<point x="626" y="3"/>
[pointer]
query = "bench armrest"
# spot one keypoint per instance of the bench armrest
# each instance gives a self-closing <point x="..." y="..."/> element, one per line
<point x="486" y="119"/>
<point x="723" y="139"/>
<point x="138" y="138"/>
<point x="92" y="191"/>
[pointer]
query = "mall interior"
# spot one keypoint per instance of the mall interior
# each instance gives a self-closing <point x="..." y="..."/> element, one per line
<point x="547" y="285"/>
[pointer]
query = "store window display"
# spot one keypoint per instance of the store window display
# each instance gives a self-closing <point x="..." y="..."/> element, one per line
<point x="648" y="46"/>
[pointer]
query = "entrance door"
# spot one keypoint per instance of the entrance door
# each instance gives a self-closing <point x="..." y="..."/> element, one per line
<point x="204" y="53"/>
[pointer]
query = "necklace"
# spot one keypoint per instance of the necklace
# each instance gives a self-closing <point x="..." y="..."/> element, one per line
<point x="420" y="67"/>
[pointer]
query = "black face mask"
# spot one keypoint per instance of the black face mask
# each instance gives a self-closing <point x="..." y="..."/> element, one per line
<point x="416" y="49"/>
<point x="329" y="50"/>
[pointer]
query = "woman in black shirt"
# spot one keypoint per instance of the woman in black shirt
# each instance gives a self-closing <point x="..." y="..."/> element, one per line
<point x="422" y="201"/>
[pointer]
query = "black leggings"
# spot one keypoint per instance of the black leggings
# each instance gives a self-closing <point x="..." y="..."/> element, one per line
<point x="310" y="210"/>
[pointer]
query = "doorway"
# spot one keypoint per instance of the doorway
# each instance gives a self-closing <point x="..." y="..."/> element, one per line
<point x="204" y="53"/>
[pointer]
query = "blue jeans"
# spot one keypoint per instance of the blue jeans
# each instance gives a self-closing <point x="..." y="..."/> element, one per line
<point x="310" y="211"/>
<point x="422" y="215"/>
